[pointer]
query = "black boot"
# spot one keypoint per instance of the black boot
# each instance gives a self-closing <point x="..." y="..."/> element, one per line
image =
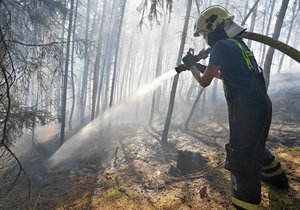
<point x="281" y="181"/>
<point x="273" y="173"/>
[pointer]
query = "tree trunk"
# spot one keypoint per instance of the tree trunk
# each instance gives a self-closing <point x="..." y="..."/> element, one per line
<point x="106" y="63"/>
<point x="155" y="95"/>
<point x="253" y="20"/>
<point x="97" y="63"/>
<point x="106" y="58"/>
<point x="61" y="69"/>
<point x="267" y="31"/>
<point x="65" y="82"/>
<point x="193" y="108"/>
<point x="72" y="68"/>
<point x="288" y="37"/>
<point x="295" y="43"/>
<point x="277" y="29"/>
<point x="35" y="99"/>
<point x="110" y="51"/>
<point x="126" y="69"/>
<point x="116" y="56"/>
<point x="83" y="91"/>
<point x="263" y="26"/>
<point x="164" y="138"/>
<point x="247" y="15"/>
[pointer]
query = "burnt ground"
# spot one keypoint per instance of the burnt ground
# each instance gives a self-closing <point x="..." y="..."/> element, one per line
<point x="126" y="166"/>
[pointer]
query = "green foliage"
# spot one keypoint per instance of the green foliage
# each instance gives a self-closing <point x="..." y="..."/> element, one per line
<point x="29" y="118"/>
<point x="21" y="118"/>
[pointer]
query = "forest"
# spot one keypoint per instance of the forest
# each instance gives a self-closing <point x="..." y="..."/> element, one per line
<point x="93" y="114"/>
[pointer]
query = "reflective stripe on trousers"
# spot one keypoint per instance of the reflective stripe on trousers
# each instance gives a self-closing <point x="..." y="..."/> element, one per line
<point x="273" y="169"/>
<point x="239" y="204"/>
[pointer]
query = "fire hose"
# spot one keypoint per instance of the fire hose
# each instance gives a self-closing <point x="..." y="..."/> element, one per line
<point x="284" y="48"/>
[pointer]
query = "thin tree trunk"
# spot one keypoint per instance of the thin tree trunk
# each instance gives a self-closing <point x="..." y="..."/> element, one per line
<point x="295" y="43"/>
<point x="110" y="50"/>
<point x="194" y="84"/>
<point x="65" y="83"/>
<point x="288" y="37"/>
<point x="61" y="69"/>
<point x="246" y="15"/>
<point x="126" y="69"/>
<point x="164" y="138"/>
<point x="116" y="56"/>
<point x="35" y="103"/>
<point x="197" y="6"/>
<point x="97" y="63"/>
<point x="226" y="4"/>
<point x="155" y="95"/>
<point x="263" y="27"/>
<point x="72" y="68"/>
<point x="253" y="20"/>
<point x="83" y="91"/>
<point x="253" y="9"/>
<point x="267" y="31"/>
<point x="276" y="34"/>
<point x="193" y="108"/>
<point x="106" y="59"/>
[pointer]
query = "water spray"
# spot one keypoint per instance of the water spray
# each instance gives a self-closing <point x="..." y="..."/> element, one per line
<point x="89" y="132"/>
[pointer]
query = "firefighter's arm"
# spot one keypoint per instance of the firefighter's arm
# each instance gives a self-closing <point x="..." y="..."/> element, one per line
<point x="205" y="79"/>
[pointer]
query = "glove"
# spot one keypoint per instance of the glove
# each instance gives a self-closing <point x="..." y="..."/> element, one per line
<point x="189" y="60"/>
<point x="203" y="54"/>
<point x="181" y="68"/>
<point x="200" y="67"/>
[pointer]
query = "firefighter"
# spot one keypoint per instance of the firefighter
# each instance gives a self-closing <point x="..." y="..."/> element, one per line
<point x="249" y="106"/>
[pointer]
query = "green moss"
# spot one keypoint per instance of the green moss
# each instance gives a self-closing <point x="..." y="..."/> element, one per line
<point x="122" y="189"/>
<point x="282" y="200"/>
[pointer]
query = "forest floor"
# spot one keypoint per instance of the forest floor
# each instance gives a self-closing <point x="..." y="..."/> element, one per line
<point x="126" y="167"/>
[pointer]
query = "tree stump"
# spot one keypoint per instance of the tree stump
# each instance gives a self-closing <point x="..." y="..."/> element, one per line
<point x="189" y="162"/>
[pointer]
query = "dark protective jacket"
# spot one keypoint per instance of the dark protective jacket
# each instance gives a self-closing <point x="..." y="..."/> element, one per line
<point x="249" y="106"/>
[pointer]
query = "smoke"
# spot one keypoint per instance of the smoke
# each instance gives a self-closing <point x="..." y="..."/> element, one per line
<point x="43" y="134"/>
<point x="72" y="147"/>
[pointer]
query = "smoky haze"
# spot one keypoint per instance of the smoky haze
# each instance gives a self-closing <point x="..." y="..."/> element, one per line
<point x="144" y="53"/>
<point x="90" y="72"/>
<point x="73" y="145"/>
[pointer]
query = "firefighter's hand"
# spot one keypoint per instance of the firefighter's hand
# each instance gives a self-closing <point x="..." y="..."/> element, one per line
<point x="181" y="68"/>
<point x="189" y="60"/>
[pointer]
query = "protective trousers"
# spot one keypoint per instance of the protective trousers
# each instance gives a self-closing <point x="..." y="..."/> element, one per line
<point x="249" y="122"/>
